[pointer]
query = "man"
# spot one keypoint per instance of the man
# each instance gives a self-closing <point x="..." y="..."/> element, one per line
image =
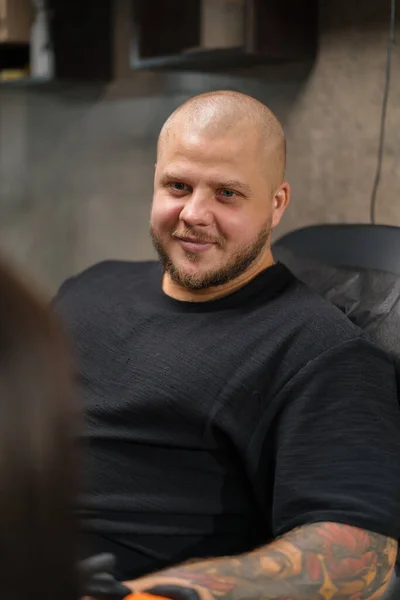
<point x="230" y="411"/>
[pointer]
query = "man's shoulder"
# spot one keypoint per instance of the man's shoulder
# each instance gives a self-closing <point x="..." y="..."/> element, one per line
<point x="302" y="305"/>
<point x="313" y="337"/>
<point x="106" y="274"/>
<point x="312" y="323"/>
<point x="114" y="269"/>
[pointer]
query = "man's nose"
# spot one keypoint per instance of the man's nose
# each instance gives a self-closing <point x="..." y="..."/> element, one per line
<point x="197" y="210"/>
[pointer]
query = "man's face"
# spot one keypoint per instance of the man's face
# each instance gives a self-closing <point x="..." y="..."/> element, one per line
<point x="212" y="207"/>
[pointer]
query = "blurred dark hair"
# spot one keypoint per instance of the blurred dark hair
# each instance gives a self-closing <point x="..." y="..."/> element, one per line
<point x="37" y="464"/>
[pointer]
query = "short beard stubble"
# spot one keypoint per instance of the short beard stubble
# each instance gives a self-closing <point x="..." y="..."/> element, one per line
<point x="238" y="264"/>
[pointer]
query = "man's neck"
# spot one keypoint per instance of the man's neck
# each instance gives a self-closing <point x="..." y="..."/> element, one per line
<point x="174" y="290"/>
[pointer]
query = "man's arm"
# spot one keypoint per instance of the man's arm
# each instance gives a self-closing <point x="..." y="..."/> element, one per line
<point x="321" y="561"/>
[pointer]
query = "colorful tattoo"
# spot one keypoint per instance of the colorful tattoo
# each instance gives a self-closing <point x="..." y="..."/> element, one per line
<point x="323" y="561"/>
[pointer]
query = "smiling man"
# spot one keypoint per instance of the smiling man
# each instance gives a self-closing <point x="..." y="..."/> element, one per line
<point x="220" y="239"/>
<point x="230" y="411"/>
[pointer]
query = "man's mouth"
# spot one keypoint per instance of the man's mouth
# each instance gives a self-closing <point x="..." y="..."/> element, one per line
<point x="192" y="244"/>
<point x="193" y="240"/>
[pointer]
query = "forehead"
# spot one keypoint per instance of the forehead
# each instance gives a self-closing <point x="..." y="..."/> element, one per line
<point x="230" y="149"/>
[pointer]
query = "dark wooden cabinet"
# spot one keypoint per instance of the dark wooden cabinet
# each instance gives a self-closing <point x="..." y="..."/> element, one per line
<point x="82" y="34"/>
<point x="283" y="29"/>
<point x="181" y="34"/>
<point x="170" y="34"/>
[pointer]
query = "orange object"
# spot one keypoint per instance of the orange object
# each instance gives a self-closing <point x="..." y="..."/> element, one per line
<point x="143" y="596"/>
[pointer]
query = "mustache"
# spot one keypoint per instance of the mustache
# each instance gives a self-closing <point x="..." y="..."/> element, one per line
<point x="197" y="236"/>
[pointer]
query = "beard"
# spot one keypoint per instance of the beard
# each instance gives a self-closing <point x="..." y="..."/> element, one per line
<point x="237" y="264"/>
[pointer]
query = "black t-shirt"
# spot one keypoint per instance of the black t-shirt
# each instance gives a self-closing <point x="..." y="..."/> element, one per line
<point x="214" y="427"/>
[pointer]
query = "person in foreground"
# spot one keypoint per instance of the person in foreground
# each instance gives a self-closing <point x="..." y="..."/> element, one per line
<point x="37" y="466"/>
<point x="231" y="412"/>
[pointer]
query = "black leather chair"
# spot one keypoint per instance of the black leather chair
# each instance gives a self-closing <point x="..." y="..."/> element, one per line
<point x="372" y="247"/>
<point x="357" y="248"/>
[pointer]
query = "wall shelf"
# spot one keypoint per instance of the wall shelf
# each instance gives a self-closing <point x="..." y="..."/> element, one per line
<point x="177" y="34"/>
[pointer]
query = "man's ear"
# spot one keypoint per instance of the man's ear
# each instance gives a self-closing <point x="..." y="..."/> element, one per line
<point x="280" y="201"/>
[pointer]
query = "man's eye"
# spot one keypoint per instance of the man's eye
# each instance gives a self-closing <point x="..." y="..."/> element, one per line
<point x="178" y="186"/>
<point x="227" y="194"/>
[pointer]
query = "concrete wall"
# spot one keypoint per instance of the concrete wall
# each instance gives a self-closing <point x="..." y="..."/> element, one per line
<point x="76" y="165"/>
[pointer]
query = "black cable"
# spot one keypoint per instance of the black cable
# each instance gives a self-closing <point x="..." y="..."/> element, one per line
<point x="384" y="111"/>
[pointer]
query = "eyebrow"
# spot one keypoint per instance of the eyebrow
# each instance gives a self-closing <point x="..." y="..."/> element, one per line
<point x="170" y="176"/>
<point x="228" y="184"/>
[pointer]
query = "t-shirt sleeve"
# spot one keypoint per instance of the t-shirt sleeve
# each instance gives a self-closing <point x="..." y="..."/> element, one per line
<point x="337" y="443"/>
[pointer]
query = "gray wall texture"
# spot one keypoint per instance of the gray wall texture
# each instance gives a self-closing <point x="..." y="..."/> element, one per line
<point x="76" y="164"/>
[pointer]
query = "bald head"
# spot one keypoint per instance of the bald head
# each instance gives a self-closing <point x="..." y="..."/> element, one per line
<point x="225" y="113"/>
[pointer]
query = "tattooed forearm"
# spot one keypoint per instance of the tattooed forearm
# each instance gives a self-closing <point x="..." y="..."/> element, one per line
<point x="324" y="561"/>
